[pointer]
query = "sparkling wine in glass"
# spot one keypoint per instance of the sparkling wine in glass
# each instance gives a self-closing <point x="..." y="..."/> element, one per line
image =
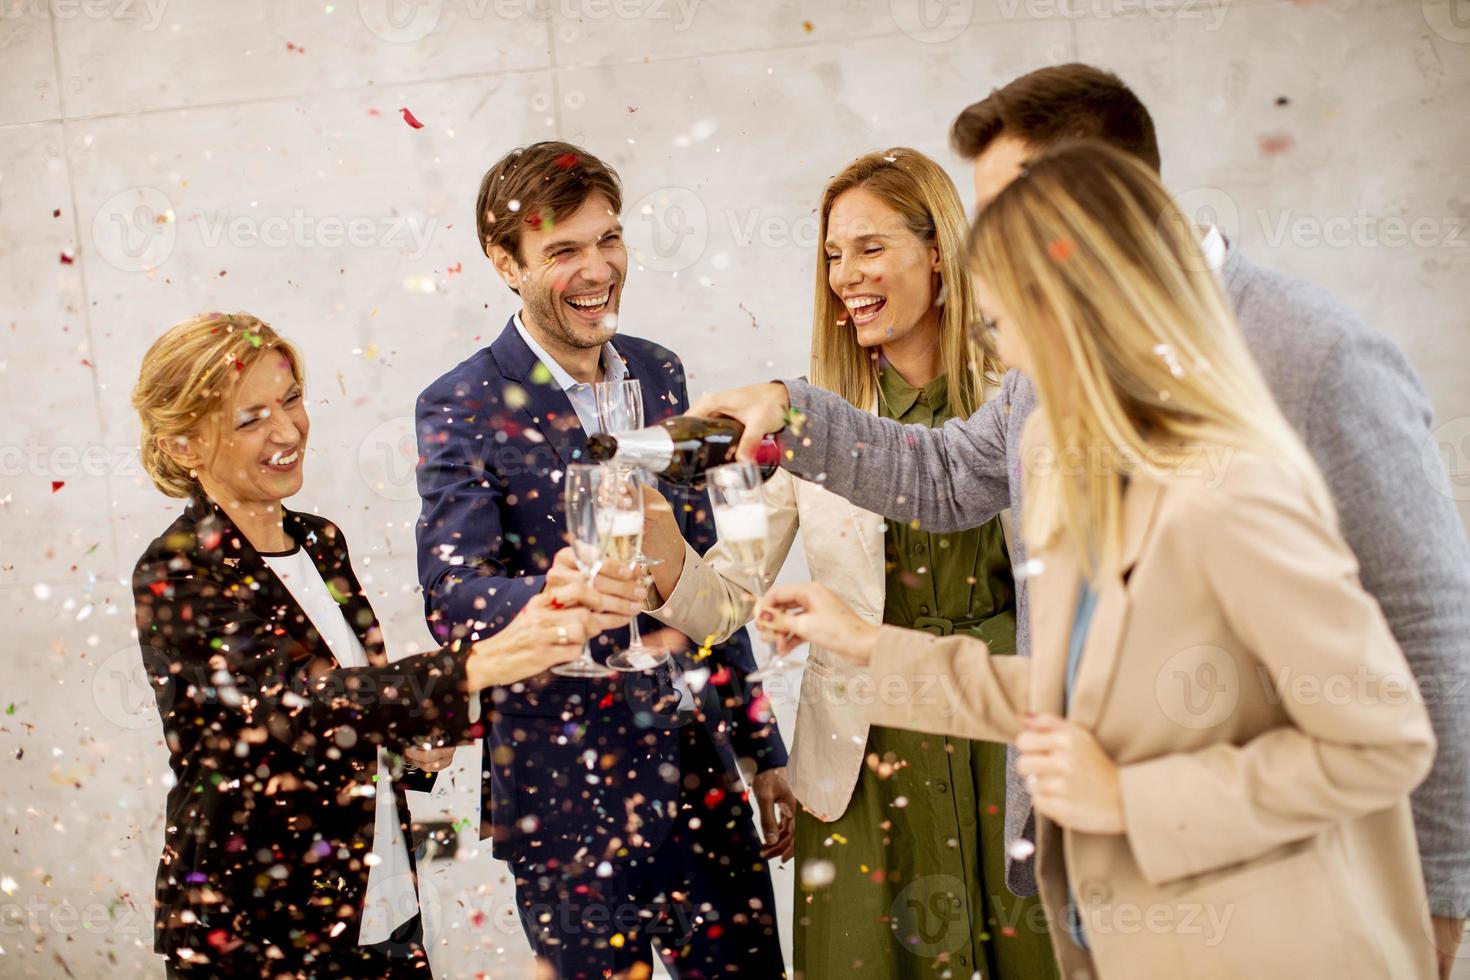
<point x="589" y="529"/>
<point x="619" y="410"/>
<point x="739" y="504"/>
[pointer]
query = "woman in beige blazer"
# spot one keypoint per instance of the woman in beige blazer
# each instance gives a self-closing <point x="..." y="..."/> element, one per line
<point x="1217" y="728"/>
<point x="889" y="334"/>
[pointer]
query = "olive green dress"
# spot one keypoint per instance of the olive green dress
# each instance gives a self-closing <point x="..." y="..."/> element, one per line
<point x="910" y="881"/>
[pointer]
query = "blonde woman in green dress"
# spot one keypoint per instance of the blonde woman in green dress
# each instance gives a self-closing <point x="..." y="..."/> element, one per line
<point x="899" y="845"/>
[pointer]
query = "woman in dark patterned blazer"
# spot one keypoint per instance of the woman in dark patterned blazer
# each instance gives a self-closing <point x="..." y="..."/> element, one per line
<point x="287" y="850"/>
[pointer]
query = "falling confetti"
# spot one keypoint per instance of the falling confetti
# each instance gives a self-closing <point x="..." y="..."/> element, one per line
<point x="1061" y="249"/>
<point x="818" y="874"/>
<point x="1276" y="144"/>
<point x="409" y="118"/>
<point x="1166" y="352"/>
<point x="1021" y="849"/>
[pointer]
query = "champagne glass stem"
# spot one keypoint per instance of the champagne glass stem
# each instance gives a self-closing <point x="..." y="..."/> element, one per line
<point x="775" y="662"/>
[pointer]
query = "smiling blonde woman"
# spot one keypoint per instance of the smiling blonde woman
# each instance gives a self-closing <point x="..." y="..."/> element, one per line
<point x="1203" y="808"/>
<point x="899" y="845"/>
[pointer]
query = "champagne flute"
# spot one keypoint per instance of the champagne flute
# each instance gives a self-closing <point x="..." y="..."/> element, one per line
<point x="619" y="410"/>
<point x="589" y="527"/>
<point x="738" y="496"/>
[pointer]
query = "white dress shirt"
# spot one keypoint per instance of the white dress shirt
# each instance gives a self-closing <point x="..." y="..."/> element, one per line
<point x="390" y="899"/>
<point x="584" y="401"/>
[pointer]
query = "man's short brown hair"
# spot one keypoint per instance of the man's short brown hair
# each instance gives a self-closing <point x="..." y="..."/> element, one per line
<point x="538" y="185"/>
<point x="1059" y="103"/>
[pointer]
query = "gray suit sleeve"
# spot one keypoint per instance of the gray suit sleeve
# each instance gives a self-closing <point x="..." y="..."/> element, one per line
<point x="948" y="479"/>
<point x="1368" y="424"/>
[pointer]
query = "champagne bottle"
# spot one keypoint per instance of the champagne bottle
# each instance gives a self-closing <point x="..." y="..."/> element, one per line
<point x="679" y="449"/>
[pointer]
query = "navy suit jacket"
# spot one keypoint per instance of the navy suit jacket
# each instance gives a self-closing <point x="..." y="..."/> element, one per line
<point x="577" y="769"/>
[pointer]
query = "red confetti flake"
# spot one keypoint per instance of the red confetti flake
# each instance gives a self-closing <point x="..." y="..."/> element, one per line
<point x="715" y="931"/>
<point x="158" y="588"/>
<point x="534" y="220"/>
<point x="56" y="212"/>
<point x="67" y="258"/>
<point x="1008" y="931"/>
<point x="1275" y="144"/>
<point x="374" y="112"/>
<point x="607" y="700"/>
<point x="878" y="876"/>
<point x="721" y="676"/>
<point x="1061" y="250"/>
<point x="455" y="269"/>
<point x="477" y="919"/>
<point x="57" y="485"/>
<point x="567" y="161"/>
<point x="295" y="47"/>
<point x="409" y="118"/>
<point x="992" y="809"/>
<point x="713" y="798"/>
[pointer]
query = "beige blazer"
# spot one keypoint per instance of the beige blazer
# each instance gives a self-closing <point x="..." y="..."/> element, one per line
<point x="1266" y="724"/>
<point x="845" y="552"/>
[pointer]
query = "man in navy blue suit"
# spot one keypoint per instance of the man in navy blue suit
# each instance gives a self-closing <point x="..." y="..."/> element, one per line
<point x="618" y="803"/>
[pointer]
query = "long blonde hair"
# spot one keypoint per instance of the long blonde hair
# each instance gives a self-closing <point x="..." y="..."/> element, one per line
<point x="1136" y="356"/>
<point x="185" y="378"/>
<point x="922" y="193"/>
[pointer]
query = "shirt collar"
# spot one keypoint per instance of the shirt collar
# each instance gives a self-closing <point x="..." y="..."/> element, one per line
<point x="1216" y="249"/>
<point x="900" y="396"/>
<point x="613" y="368"/>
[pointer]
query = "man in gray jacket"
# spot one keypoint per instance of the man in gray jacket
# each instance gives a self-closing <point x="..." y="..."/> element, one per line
<point x="1348" y="391"/>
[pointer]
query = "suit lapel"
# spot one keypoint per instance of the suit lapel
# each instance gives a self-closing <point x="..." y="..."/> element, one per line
<point x="245" y="569"/>
<point x="540" y="403"/>
<point x="1052" y="576"/>
<point x="328" y="552"/>
<point x="1110" y="618"/>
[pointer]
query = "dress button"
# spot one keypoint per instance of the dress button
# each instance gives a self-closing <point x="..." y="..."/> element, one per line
<point x="942" y="786"/>
<point x="920" y="547"/>
<point x="1095" y="892"/>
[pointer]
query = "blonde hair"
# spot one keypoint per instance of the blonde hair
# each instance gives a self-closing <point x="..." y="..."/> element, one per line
<point x="185" y="379"/>
<point x="1136" y="356"/>
<point x="922" y="193"/>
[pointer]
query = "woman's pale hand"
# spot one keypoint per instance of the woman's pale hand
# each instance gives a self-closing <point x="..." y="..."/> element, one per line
<point x="1072" y="781"/>
<point x="791" y="615"/>
<point x="549" y="630"/>
<point x="762" y="409"/>
<point x="615" y="597"/>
